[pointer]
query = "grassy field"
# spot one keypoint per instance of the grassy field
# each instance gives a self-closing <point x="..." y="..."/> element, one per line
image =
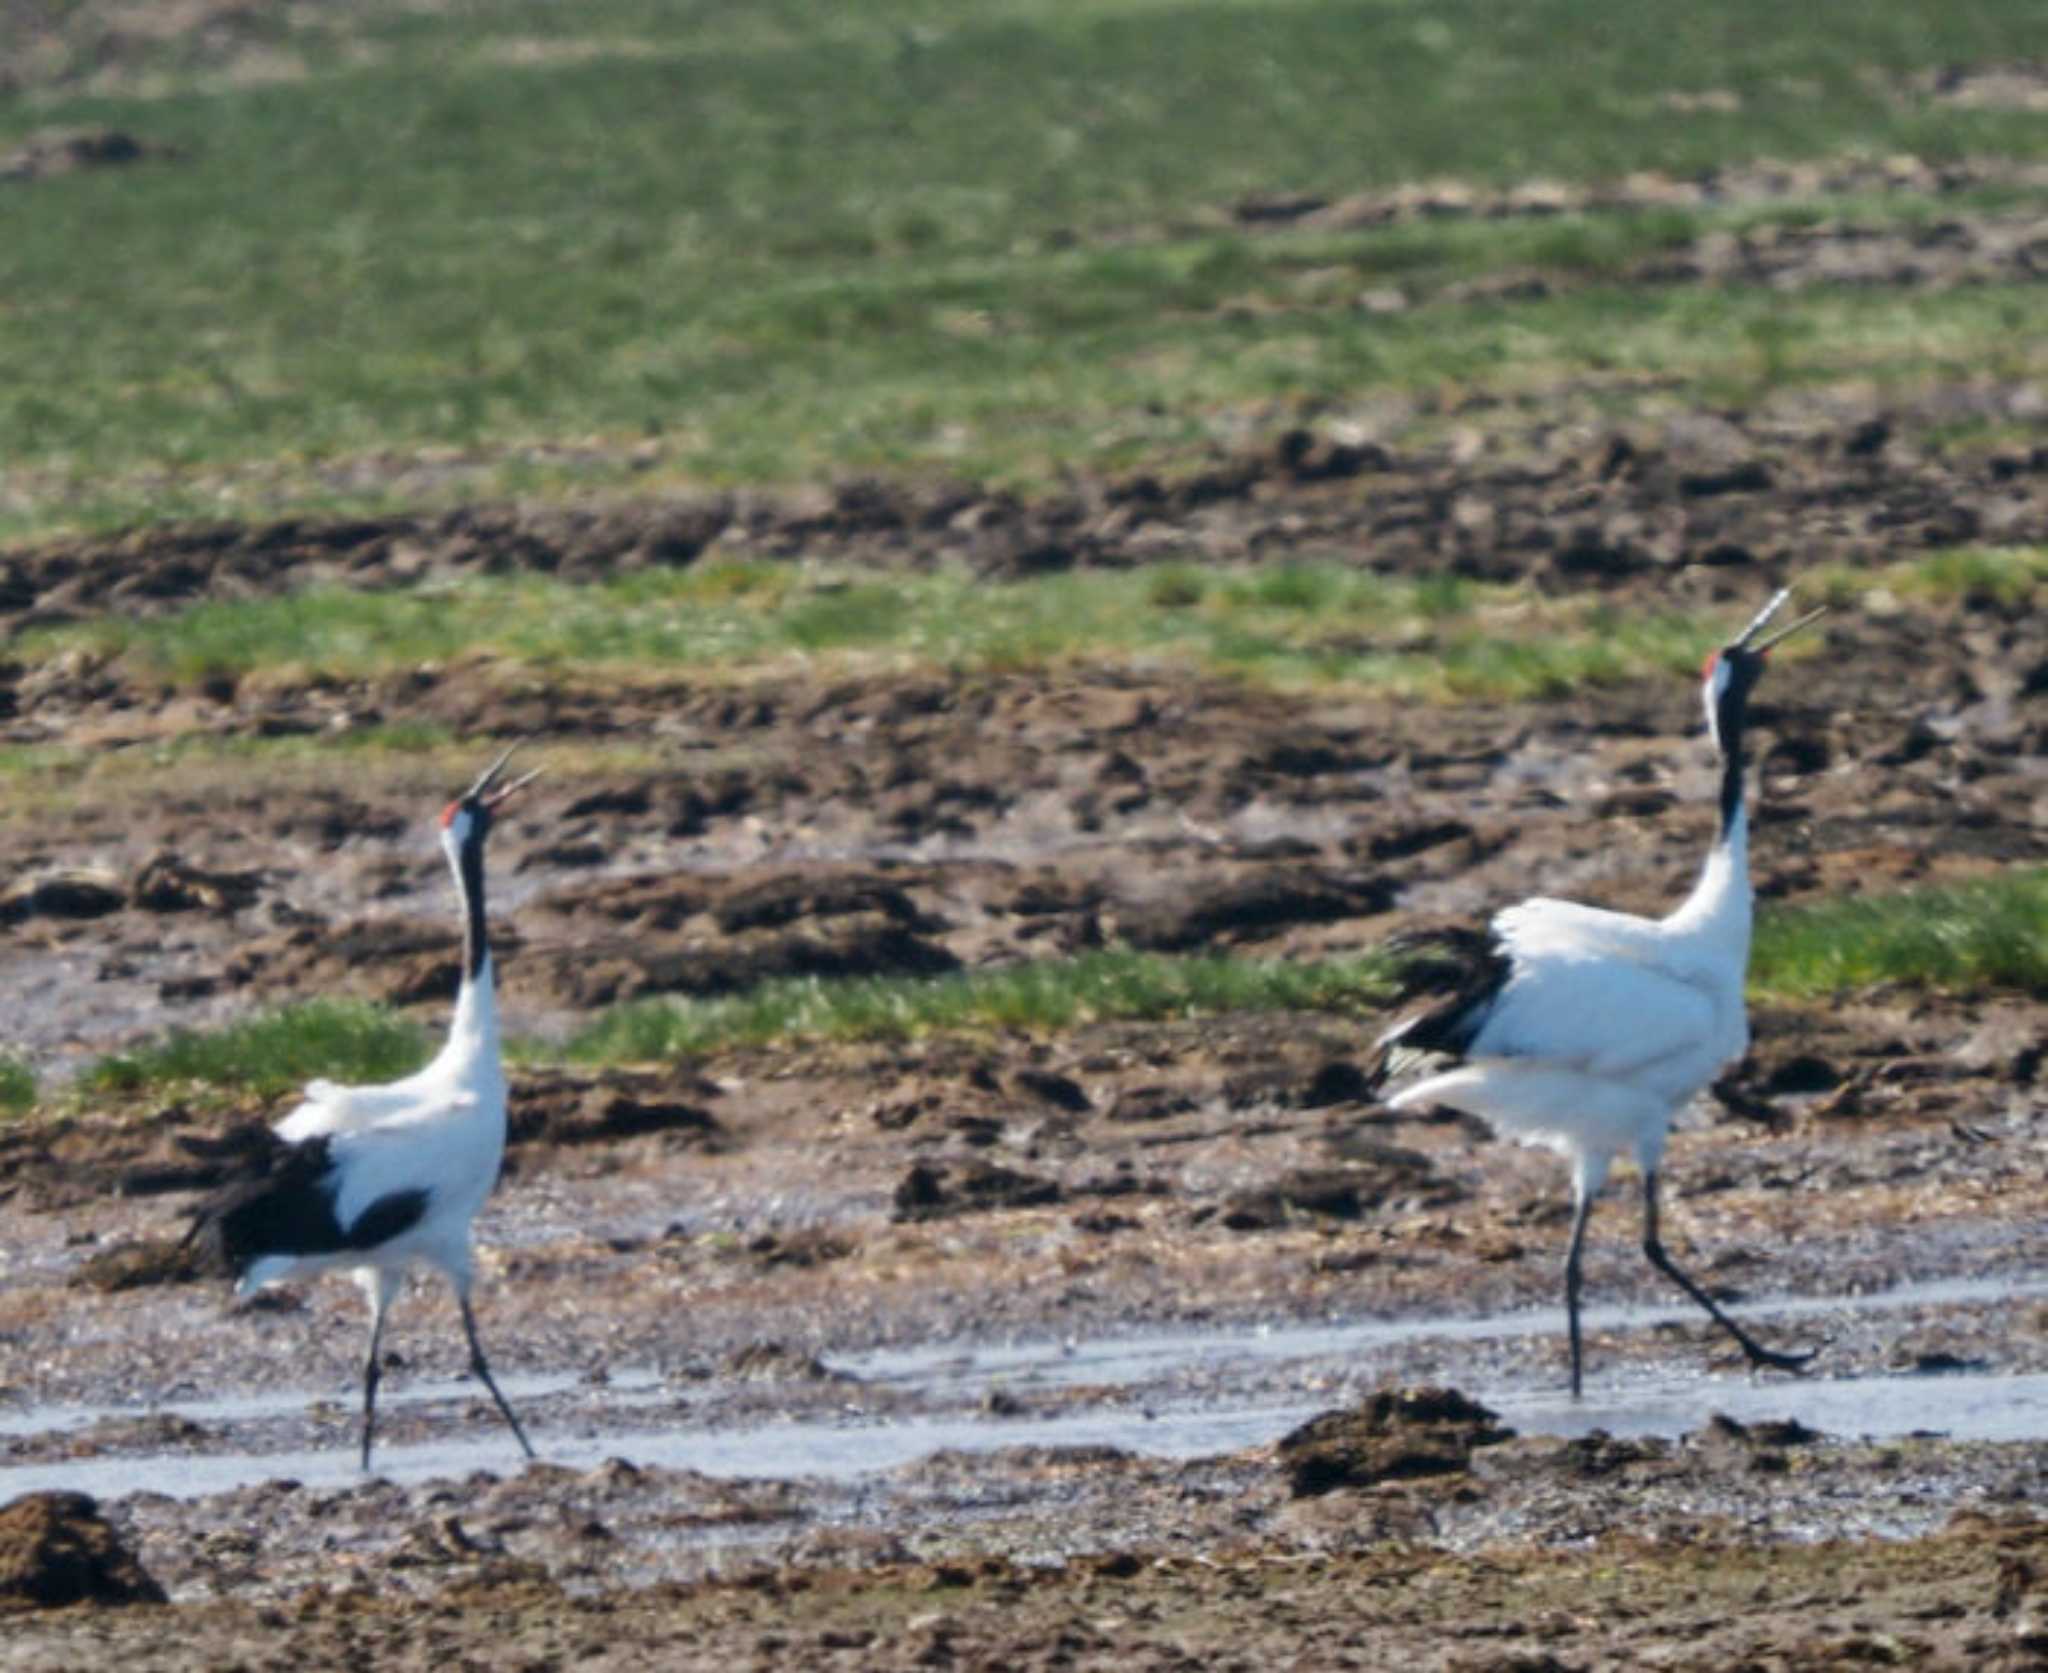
<point x="1308" y="622"/>
<point x="1986" y="936"/>
<point x="413" y="254"/>
<point x="1301" y="623"/>
<point x="1989" y="936"/>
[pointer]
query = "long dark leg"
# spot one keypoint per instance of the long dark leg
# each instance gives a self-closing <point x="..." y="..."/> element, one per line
<point x="1652" y="1247"/>
<point x="1581" y="1213"/>
<point x="483" y="1371"/>
<point x="380" y="1289"/>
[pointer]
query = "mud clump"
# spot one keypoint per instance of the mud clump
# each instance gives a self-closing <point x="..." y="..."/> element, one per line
<point x="564" y="1109"/>
<point x="1397" y="1434"/>
<point x="1777" y="1432"/>
<point x="141" y="1264"/>
<point x="778" y="901"/>
<point x="1250" y="908"/>
<point x="56" y="1549"/>
<point x="779" y="1362"/>
<point x="167" y="883"/>
<point x="1339" y="1193"/>
<point x="61" y="894"/>
<point x="934" y="1191"/>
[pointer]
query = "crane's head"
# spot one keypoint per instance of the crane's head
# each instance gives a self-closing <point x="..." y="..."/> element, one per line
<point x="466" y="821"/>
<point x="1731" y="672"/>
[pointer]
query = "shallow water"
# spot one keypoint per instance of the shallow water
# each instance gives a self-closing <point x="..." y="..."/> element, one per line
<point x="1168" y="1395"/>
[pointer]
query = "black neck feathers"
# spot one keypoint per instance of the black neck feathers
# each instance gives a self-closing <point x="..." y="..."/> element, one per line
<point x="1731" y="788"/>
<point x="1730" y="717"/>
<point x="476" y="945"/>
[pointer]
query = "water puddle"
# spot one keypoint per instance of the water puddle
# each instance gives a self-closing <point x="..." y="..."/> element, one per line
<point x="1167" y="1356"/>
<point x="1164" y="1395"/>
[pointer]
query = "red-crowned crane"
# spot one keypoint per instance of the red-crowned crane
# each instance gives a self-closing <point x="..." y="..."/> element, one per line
<point x="373" y="1179"/>
<point x="1587" y="1031"/>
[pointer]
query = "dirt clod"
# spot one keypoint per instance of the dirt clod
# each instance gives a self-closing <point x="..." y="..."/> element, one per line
<point x="56" y="1549"/>
<point x="1394" y="1435"/>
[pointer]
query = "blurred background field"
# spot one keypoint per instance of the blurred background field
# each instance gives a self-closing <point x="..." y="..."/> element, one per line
<point x="401" y="254"/>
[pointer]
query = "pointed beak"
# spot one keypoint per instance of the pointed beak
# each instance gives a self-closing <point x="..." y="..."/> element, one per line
<point x="498" y="796"/>
<point x="1789" y="629"/>
<point x="1747" y="640"/>
<point x="490" y="773"/>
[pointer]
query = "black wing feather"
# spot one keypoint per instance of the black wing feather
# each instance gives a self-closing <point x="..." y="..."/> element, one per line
<point x="1468" y="969"/>
<point x="284" y="1204"/>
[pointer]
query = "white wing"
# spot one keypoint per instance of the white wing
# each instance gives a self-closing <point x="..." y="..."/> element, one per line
<point x="1544" y="925"/>
<point x="334" y="1109"/>
<point x="428" y="1149"/>
<point x="1614" y="1018"/>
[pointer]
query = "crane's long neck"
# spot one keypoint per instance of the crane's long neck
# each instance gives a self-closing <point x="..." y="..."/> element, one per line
<point x="1734" y="815"/>
<point x="474" y="1030"/>
<point x="1720" y="903"/>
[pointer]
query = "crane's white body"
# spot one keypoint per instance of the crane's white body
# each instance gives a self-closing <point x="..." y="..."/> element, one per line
<point x="1608" y="1024"/>
<point x="441" y="1130"/>
<point x="1587" y="1031"/>
<point x="373" y="1179"/>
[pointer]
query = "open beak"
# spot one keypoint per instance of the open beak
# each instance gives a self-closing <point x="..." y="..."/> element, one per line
<point x="490" y="773"/>
<point x="1777" y="603"/>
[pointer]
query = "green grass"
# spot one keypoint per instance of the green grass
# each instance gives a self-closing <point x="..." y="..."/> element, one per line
<point x="2005" y="577"/>
<point x="1040" y="997"/>
<point x="279" y="1051"/>
<point x="273" y="1053"/>
<point x="1965" y="938"/>
<point x="1298" y="623"/>
<point x="17" y="1087"/>
<point x="146" y="762"/>
<point x="765" y="241"/>
<point x="1974" y="937"/>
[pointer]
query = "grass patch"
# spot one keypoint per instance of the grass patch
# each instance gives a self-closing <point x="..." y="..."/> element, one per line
<point x="1961" y="937"/>
<point x="17" y="1087"/>
<point x="145" y="762"/>
<point x="2000" y="577"/>
<point x="533" y="241"/>
<point x="1039" y="997"/>
<point x="273" y="1053"/>
<point x="1302" y="623"/>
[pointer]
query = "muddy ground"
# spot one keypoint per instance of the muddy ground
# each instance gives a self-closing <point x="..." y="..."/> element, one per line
<point x="689" y="1254"/>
